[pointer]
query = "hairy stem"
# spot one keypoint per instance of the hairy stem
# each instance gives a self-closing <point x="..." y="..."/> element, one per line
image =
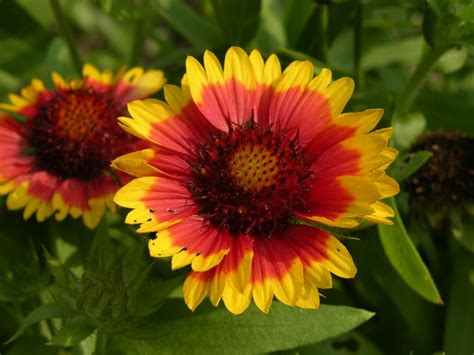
<point x="424" y="67"/>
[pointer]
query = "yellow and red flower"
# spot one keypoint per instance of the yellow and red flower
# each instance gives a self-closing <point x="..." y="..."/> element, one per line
<point x="57" y="160"/>
<point x="240" y="154"/>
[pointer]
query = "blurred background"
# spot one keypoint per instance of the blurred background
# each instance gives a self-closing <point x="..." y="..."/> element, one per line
<point x="414" y="58"/>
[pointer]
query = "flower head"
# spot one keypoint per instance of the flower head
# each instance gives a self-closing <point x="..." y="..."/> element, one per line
<point x="447" y="179"/>
<point x="56" y="161"/>
<point x="241" y="154"/>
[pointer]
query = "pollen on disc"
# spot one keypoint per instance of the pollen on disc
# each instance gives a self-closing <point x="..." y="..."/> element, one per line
<point x="254" y="167"/>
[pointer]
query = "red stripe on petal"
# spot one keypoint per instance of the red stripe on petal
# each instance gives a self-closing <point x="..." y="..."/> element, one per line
<point x="101" y="187"/>
<point x="74" y="193"/>
<point x="308" y="242"/>
<point x="42" y="186"/>
<point x="180" y="133"/>
<point x="171" y="164"/>
<point x="198" y="237"/>
<point x="327" y="138"/>
<point x="13" y="163"/>
<point x="237" y="264"/>
<point x="277" y="269"/>
<point x="303" y="111"/>
<point x="328" y="198"/>
<point x="337" y="161"/>
<point x="264" y="95"/>
<point x="169" y="200"/>
<point x="228" y="103"/>
<point x="273" y="257"/>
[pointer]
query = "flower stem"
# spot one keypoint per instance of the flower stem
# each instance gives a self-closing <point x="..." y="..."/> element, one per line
<point x="358" y="74"/>
<point x="138" y="37"/>
<point x="424" y="67"/>
<point x="65" y="30"/>
<point x="100" y="343"/>
<point x="322" y="31"/>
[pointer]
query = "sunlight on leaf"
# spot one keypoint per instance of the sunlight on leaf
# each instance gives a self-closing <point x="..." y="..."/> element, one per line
<point x="404" y="257"/>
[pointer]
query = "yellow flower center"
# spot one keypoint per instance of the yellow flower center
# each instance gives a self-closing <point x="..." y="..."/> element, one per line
<point x="253" y="167"/>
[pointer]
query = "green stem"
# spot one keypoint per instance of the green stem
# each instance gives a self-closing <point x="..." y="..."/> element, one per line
<point x="65" y="30"/>
<point x="358" y="74"/>
<point x="101" y="341"/>
<point x="424" y="67"/>
<point x="322" y="31"/>
<point x="138" y="37"/>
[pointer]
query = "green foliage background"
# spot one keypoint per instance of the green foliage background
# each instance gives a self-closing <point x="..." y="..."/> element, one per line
<point x="67" y="290"/>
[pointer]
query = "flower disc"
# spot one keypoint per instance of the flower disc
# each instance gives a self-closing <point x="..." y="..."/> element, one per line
<point x="74" y="133"/>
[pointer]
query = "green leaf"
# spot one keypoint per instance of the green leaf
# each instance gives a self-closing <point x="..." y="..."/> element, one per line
<point x="154" y="294"/>
<point x="238" y="19"/>
<point x="466" y="13"/>
<point x="447" y="23"/>
<point x="175" y="329"/>
<point x="198" y="31"/>
<point x="40" y="11"/>
<point x="407" y="128"/>
<point x="452" y="60"/>
<point x="458" y="337"/>
<point x="271" y="35"/>
<point x="64" y="278"/>
<point x="404" y="51"/>
<point x="29" y="342"/>
<point x="103" y="251"/>
<point x="73" y="332"/>
<point x="409" y="164"/>
<point x="351" y="343"/>
<point x="445" y="111"/>
<point x="404" y="257"/>
<point x="297" y="14"/>
<point x="45" y="311"/>
<point x="22" y="274"/>
<point x="94" y="21"/>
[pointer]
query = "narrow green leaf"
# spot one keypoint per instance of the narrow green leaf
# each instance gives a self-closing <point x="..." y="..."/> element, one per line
<point x="458" y="337"/>
<point x="409" y="164"/>
<point x="404" y="257"/>
<point x="40" y="11"/>
<point x="184" y="20"/>
<point x="175" y="329"/>
<point x="45" y="311"/>
<point x="103" y="252"/>
<point x="62" y="275"/>
<point x="155" y="293"/>
<point x="73" y="332"/>
<point x="238" y="19"/>
<point x="297" y="14"/>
